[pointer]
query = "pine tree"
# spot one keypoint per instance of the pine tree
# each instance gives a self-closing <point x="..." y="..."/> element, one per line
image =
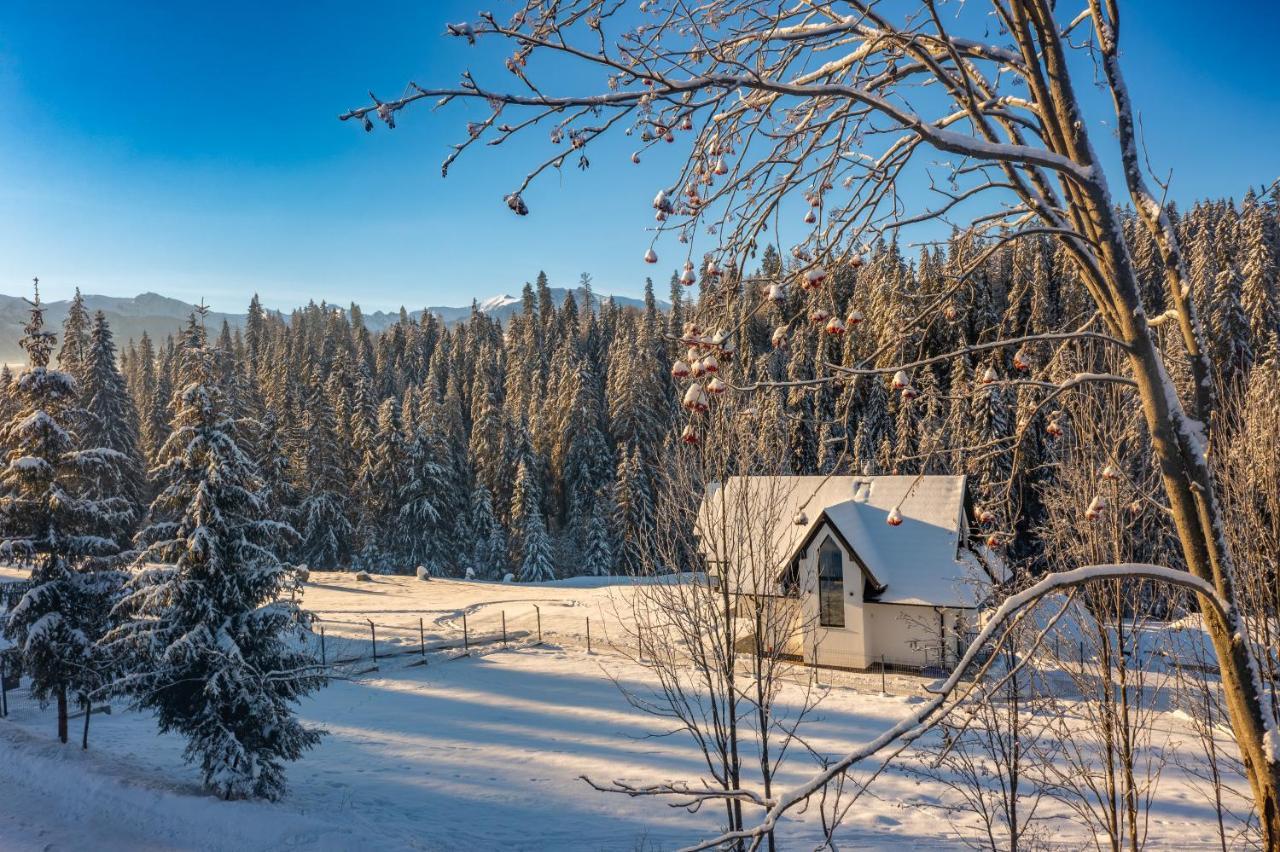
<point x="379" y="485"/>
<point x="49" y="521"/>
<point x="423" y="496"/>
<point x="75" y="339"/>
<point x="207" y="618"/>
<point x="325" y="531"/>
<point x="489" y="542"/>
<point x="597" y="550"/>
<point x="109" y="425"/>
<point x="536" y="565"/>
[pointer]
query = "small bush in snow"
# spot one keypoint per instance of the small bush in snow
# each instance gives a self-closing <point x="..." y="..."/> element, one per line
<point x="363" y="576"/>
<point x="304" y="573"/>
<point x="423" y="573"/>
<point x="509" y="577"/>
<point x="471" y="573"/>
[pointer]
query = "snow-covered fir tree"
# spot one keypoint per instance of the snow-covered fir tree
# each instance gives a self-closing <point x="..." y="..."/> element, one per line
<point x="54" y="518"/>
<point x="109" y="425"/>
<point x="206" y="620"/>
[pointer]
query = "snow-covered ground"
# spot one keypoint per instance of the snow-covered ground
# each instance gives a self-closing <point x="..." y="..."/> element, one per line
<point x="471" y="752"/>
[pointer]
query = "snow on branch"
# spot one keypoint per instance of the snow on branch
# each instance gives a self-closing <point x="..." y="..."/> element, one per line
<point x="934" y="710"/>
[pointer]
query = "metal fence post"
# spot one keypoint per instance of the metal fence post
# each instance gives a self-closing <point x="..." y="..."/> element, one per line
<point x="588" y="634"/>
<point x="373" y="634"/>
<point x="504" y="628"/>
<point x="422" y="639"/>
<point x="466" y="641"/>
<point x="883" y="690"/>
<point x="538" y="609"/>
<point x="4" y="686"/>
<point x="324" y="660"/>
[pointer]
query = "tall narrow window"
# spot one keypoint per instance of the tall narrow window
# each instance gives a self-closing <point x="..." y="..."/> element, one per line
<point x="830" y="585"/>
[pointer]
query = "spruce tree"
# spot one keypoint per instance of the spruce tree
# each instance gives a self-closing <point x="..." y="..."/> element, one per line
<point x="536" y="565"/>
<point x="489" y="542"/>
<point x="207" y="618"/>
<point x="109" y="426"/>
<point x="50" y="521"/>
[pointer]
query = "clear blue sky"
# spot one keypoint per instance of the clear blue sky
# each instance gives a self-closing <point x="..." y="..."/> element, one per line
<point x="193" y="150"/>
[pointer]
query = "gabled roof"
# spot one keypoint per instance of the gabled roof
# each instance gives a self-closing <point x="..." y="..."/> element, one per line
<point x="821" y="523"/>
<point x="921" y="561"/>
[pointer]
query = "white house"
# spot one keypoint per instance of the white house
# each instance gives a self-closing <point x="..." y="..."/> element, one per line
<point x="879" y="566"/>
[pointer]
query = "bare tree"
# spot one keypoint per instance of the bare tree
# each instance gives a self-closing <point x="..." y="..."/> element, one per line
<point x="722" y="641"/>
<point x="994" y="751"/>
<point x="841" y="103"/>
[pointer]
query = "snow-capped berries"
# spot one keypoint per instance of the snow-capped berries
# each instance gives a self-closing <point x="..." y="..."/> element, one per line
<point x="776" y="293"/>
<point x="994" y="542"/>
<point x="661" y="202"/>
<point x="1053" y="427"/>
<point x="680" y="370"/>
<point x="687" y="278"/>
<point x="810" y="217"/>
<point x="650" y="256"/>
<point x="855" y="317"/>
<point x="834" y="327"/>
<point x="901" y="380"/>
<point x="668" y="137"/>
<point x="1110" y="473"/>
<point x="695" y="398"/>
<point x="816" y="275"/>
<point x="1022" y="361"/>
<point x="686" y="123"/>
<point x="779" y="339"/>
<point x="720" y="167"/>
<point x="635" y="157"/>
<point x="689" y="436"/>
<point x="895" y="517"/>
<point x="715" y="387"/>
<point x="800" y="519"/>
<point x="910" y="392"/>
<point x="989" y="375"/>
<point x="659" y="215"/>
<point x="713" y="268"/>
<point x="855" y="261"/>
<point x="710" y="364"/>
<point x="517" y="205"/>
<point x="1096" y="506"/>
<point x="1135" y="508"/>
<point x="720" y="339"/>
<point x="818" y="316"/>
<point x="986" y="517"/>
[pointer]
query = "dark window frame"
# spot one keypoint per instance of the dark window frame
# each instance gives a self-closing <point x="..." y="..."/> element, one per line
<point x="830" y="569"/>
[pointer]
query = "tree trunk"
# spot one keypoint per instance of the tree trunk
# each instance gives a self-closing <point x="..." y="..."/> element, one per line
<point x="62" y="713"/>
<point x="1179" y="443"/>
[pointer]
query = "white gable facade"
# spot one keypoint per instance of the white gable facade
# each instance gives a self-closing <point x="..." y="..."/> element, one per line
<point x="869" y="591"/>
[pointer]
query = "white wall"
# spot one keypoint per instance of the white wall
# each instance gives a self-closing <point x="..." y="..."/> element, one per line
<point x="834" y="646"/>
<point x="902" y="635"/>
<point x="909" y="635"/>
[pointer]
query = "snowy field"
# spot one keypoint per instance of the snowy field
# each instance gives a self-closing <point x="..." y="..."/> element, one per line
<point x="474" y="752"/>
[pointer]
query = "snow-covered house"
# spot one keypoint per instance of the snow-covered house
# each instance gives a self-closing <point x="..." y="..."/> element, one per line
<point x="879" y="567"/>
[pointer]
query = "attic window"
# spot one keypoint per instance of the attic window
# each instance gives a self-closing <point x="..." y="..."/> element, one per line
<point x="830" y="584"/>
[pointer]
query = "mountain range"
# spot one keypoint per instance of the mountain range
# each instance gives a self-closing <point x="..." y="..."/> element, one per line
<point x="159" y="316"/>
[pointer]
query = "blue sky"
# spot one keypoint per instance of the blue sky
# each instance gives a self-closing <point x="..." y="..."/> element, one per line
<point x="193" y="150"/>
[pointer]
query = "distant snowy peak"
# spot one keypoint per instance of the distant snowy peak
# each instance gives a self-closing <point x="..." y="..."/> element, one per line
<point x="494" y="303"/>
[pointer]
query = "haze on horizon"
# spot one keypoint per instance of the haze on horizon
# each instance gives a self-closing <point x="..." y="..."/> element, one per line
<point x="140" y="159"/>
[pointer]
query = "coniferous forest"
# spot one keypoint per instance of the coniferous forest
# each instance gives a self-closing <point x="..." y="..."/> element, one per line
<point x="537" y="448"/>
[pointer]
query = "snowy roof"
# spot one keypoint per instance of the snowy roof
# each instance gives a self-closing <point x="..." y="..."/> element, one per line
<point x="920" y="561"/>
